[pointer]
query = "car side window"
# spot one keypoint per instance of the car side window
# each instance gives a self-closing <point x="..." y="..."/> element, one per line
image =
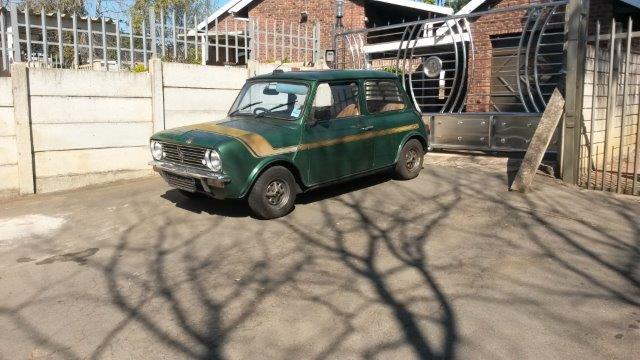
<point x="339" y="99"/>
<point x="383" y="96"/>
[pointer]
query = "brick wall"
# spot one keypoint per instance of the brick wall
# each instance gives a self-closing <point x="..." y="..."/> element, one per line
<point x="285" y="17"/>
<point x="482" y="29"/>
<point x="321" y="11"/>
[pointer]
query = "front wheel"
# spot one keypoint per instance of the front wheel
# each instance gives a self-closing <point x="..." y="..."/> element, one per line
<point x="410" y="160"/>
<point x="273" y="195"/>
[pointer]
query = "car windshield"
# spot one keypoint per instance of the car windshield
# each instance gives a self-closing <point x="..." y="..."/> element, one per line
<point x="274" y="99"/>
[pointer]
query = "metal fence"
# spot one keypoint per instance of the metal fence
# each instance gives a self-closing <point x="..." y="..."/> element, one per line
<point x="609" y="148"/>
<point x="501" y="60"/>
<point x="63" y="40"/>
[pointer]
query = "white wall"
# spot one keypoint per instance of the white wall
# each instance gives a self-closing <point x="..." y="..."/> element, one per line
<point x="195" y="93"/>
<point x="88" y="127"/>
<point x="8" y="149"/>
<point x="84" y="127"/>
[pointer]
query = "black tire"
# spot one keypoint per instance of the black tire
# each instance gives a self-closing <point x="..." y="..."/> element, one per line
<point x="410" y="160"/>
<point x="190" y="195"/>
<point x="273" y="194"/>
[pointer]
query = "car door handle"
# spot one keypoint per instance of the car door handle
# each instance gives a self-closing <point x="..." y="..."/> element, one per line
<point x="367" y="128"/>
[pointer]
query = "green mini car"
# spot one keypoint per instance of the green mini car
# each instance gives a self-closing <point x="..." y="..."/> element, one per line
<point x="289" y="132"/>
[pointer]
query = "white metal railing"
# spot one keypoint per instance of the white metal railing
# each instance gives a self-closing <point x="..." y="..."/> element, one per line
<point x="62" y="40"/>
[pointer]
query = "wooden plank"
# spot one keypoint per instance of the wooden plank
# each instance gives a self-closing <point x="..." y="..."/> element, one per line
<point x="539" y="143"/>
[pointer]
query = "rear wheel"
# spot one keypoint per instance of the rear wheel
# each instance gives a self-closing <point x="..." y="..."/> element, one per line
<point x="273" y="195"/>
<point x="410" y="160"/>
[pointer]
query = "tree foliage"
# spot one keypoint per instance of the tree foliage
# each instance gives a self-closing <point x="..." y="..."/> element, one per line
<point x="65" y="6"/>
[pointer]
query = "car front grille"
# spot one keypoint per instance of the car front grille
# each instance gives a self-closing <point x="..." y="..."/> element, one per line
<point x="180" y="182"/>
<point x="185" y="155"/>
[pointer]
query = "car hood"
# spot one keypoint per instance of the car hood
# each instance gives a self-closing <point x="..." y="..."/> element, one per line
<point x="262" y="136"/>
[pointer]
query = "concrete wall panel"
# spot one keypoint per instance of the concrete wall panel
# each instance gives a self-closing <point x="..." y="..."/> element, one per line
<point x="8" y="180"/>
<point x="56" y="82"/>
<point x="207" y="77"/>
<point x="8" y="150"/>
<point x="177" y="118"/>
<point x="198" y="99"/>
<point x="75" y="181"/>
<point x="62" y="163"/>
<point x="7" y="124"/>
<point x="90" y="135"/>
<point x="6" y="96"/>
<point x="56" y="109"/>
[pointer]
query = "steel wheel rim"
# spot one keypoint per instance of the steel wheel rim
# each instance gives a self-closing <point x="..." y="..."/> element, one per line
<point x="412" y="159"/>
<point x="277" y="193"/>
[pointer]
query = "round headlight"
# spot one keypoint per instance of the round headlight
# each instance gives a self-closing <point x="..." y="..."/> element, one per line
<point x="212" y="160"/>
<point x="156" y="150"/>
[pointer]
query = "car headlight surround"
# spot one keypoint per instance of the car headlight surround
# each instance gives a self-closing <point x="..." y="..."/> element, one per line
<point x="156" y="150"/>
<point x="212" y="160"/>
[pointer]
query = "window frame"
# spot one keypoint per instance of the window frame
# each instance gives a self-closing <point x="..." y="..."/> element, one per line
<point x="403" y="96"/>
<point x="359" y="101"/>
<point x="307" y="103"/>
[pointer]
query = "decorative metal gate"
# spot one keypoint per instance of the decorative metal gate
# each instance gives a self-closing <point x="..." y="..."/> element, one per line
<point x="609" y="145"/>
<point x="481" y="80"/>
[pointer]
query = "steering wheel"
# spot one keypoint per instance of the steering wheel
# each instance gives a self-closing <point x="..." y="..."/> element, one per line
<point x="261" y="110"/>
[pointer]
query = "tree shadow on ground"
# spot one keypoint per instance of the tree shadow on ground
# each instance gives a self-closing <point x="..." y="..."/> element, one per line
<point x="193" y="284"/>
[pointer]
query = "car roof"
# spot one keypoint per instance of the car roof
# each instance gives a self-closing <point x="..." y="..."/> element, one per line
<point x="327" y="75"/>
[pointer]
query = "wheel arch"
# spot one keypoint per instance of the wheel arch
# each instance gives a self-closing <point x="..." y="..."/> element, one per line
<point x="259" y="170"/>
<point x="411" y="136"/>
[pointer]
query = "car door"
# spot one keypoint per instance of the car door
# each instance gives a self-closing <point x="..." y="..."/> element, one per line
<point x="333" y="146"/>
<point x="388" y="112"/>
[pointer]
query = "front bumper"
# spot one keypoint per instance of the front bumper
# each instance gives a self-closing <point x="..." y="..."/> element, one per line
<point x="208" y="179"/>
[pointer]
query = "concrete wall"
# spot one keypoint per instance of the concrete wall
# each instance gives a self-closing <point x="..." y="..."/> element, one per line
<point x="88" y="126"/>
<point x="8" y="149"/>
<point x="195" y="93"/>
<point x="67" y="129"/>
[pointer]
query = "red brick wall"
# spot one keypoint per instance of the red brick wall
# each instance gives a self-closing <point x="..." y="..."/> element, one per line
<point x="482" y="29"/>
<point x="321" y="11"/>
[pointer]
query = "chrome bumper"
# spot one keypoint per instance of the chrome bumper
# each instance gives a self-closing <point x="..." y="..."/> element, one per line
<point x="189" y="171"/>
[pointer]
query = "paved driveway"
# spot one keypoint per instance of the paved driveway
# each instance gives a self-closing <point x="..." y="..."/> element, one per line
<point x="448" y="265"/>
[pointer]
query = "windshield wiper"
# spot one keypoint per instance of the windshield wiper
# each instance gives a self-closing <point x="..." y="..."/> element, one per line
<point x="244" y="107"/>
<point x="276" y="107"/>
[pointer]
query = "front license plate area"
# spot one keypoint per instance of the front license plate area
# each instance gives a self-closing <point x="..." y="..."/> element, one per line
<point x="181" y="182"/>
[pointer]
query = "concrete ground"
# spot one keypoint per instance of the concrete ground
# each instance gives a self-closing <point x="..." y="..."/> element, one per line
<point x="448" y="265"/>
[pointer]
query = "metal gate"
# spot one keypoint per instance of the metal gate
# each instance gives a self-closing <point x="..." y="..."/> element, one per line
<point x="481" y="80"/>
<point x="609" y="151"/>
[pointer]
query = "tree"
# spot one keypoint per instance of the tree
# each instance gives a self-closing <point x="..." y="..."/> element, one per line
<point x="65" y="6"/>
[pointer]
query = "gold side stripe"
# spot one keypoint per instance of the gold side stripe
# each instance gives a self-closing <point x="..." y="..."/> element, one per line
<point x="260" y="147"/>
<point x="359" y="137"/>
